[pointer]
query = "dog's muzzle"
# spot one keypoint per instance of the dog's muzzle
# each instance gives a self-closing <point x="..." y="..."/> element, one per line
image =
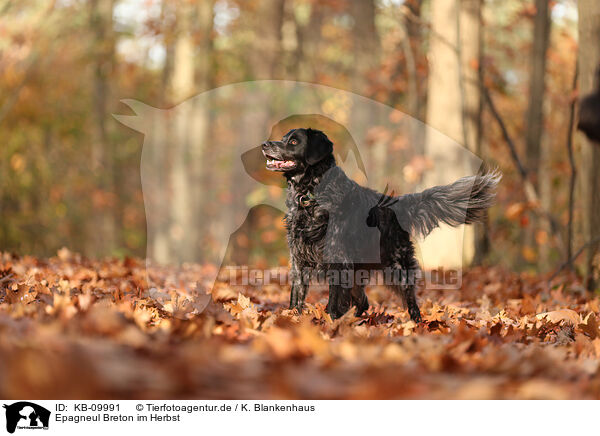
<point x="275" y="163"/>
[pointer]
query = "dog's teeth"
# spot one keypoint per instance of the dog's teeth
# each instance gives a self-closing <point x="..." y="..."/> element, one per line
<point x="281" y="163"/>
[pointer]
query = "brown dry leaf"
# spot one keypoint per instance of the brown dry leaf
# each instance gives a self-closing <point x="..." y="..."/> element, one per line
<point x="102" y="318"/>
<point x="223" y="292"/>
<point x="20" y="293"/>
<point x="245" y="312"/>
<point x="280" y="342"/>
<point x="590" y="326"/>
<point x="64" y="254"/>
<point x="85" y="300"/>
<point x="310" y="339"/>
<point x="239" y="306"/>
<point x="528" y="305"/>
<point x="92" y="329"/>
<point x="541" y="389"/>
<point x="557" y="316"/>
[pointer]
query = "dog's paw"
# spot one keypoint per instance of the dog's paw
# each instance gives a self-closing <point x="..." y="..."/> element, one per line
<point x="415" y="314"/>
<point x="361" y="306"/>
<point x="337" y="311"/>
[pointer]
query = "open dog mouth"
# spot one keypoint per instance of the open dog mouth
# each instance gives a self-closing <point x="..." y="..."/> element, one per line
<point x="279" y="165"/>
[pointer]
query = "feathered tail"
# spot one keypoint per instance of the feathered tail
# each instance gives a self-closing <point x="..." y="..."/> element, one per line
<point x="462" y="202"/>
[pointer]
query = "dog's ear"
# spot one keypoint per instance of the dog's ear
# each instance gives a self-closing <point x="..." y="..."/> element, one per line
<point x="318" y="146"/>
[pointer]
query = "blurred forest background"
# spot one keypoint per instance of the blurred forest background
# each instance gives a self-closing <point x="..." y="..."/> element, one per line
<point x="499" y="76"/>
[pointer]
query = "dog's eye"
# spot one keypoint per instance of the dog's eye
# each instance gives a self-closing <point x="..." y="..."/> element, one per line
<point x="293" y="142"/>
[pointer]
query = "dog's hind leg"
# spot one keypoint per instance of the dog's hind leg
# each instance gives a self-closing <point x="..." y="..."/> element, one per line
<point x="341" y="281"/>
<point x="358" y="296"/>
<point x="407" y="292"/>
<point x="405" y="273"/>
<point x="359" y="299"/>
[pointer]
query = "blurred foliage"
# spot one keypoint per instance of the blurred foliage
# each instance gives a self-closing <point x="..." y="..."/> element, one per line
<point x="50" y="53"/>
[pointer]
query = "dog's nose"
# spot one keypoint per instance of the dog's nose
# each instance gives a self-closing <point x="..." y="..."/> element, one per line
<point x="265" y="144"/>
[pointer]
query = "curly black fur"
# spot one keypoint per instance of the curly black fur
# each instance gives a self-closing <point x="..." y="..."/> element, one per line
<point x="331" y="218"/>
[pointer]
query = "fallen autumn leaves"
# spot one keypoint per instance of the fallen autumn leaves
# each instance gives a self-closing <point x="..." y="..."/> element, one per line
<point x="75" y="328"/>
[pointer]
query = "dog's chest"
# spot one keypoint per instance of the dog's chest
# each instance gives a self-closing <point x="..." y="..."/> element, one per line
<point x="306" y="229"/>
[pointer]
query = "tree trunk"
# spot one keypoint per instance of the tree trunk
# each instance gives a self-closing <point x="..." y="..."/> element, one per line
<point x="535" y="119"/>
<point x="308" y="37"/>
<point x="182" y="86"/>
<point x="410" y="44"/>
<point x="535" y="116"/>
<point x="265" y="60"/>
<point x="267" y="48"/>
<point x="470" y="48"/>
<point x="191" y="73"/>
<point x="589" y="58"/>
<point x="453" y="107"/>
<point x="200" y="123"/>
<point x="365" y="41"/>
<point x="102" y="152"/>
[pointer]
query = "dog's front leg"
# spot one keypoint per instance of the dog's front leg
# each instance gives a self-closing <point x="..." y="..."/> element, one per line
<point x="297" y="296"/>
<point x="341" y="281"/>
<point x="299" y="287"/>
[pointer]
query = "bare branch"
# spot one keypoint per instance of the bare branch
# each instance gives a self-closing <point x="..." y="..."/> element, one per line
<point x="572" y="165"/>
<point x="530" y="191"/>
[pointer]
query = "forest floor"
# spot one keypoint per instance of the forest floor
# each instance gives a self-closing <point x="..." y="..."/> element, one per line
<point x="76" y="328"/>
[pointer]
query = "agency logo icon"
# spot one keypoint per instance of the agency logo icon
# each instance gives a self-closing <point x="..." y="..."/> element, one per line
<point x="26" y="415"/>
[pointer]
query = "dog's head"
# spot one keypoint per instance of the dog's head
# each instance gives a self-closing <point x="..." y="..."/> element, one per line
<point x="382" y="215"/>
<point x="297" y="150"/>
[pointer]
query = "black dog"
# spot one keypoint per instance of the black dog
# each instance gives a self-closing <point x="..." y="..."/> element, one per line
<point x="331" y="222"/>
<point x="589" y="112"/>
